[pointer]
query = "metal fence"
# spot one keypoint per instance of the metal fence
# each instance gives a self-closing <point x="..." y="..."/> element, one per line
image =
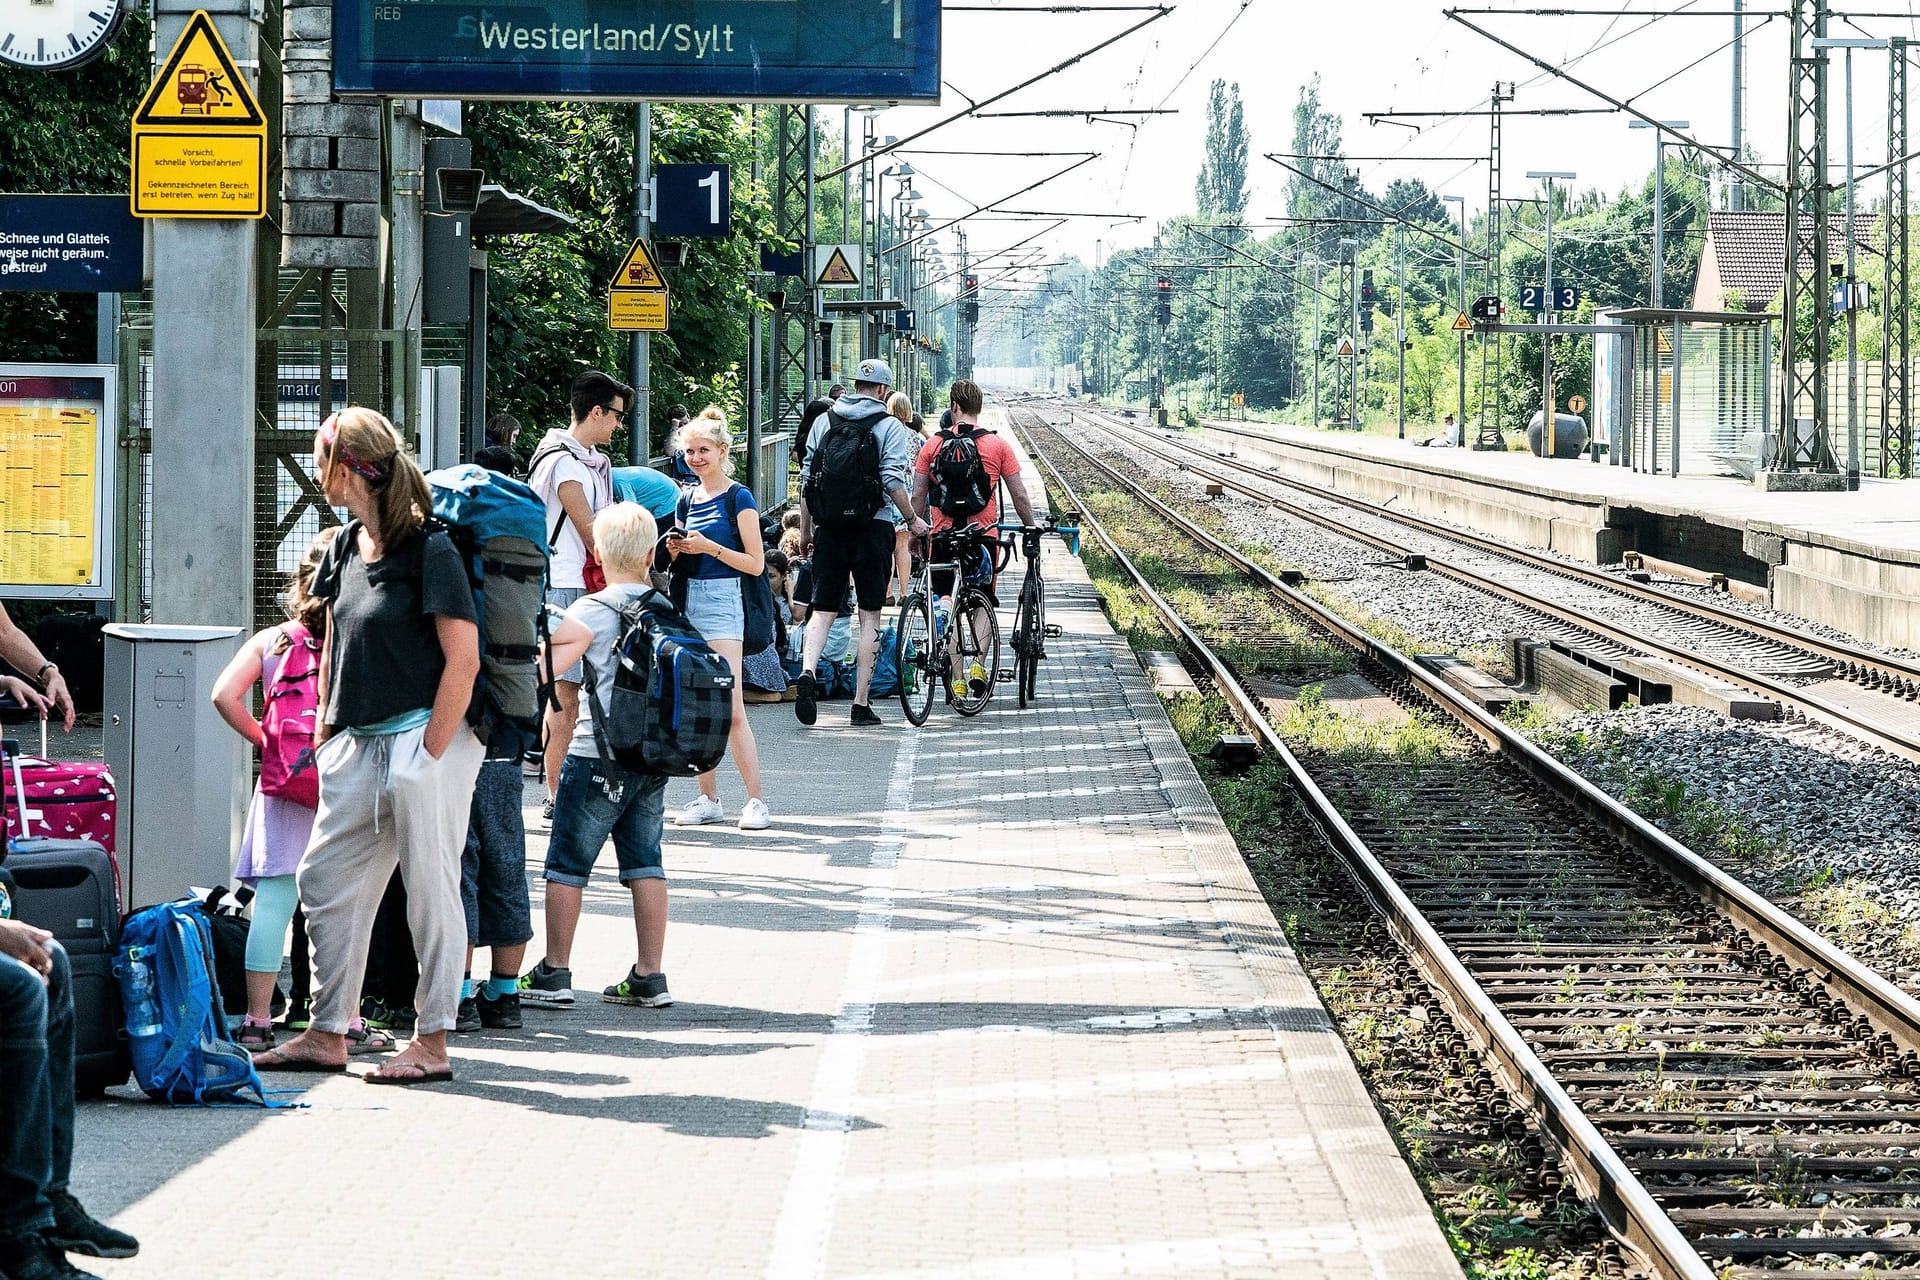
<point x="315" y="371"/>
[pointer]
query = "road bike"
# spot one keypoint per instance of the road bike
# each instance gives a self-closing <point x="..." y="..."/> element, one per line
<point x="957" y="651"/>
<point x="1031" y="631"/>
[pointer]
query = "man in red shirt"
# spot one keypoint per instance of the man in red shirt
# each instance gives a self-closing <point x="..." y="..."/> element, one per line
<point x="999" y="461"/>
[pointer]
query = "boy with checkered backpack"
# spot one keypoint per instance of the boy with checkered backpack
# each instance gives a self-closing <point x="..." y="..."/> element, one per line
<point x="658" y="703"/>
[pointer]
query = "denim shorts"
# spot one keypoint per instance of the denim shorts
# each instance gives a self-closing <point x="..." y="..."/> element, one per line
<point x="560" y="598"/>
<point x="493" y="866"/>
<point x="714" y="608"/>
<point x="596" y="799"/>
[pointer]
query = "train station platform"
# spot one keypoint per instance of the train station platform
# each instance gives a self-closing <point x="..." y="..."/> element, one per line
<point x="996" y="997"/>
<point x="1849" y="560"/>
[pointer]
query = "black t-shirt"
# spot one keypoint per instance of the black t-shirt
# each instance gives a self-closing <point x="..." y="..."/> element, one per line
<point x="808" y="416"/>
<point x="386" y="651"/>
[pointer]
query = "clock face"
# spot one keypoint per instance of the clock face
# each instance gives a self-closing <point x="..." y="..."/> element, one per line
<point x="47" y="35"/>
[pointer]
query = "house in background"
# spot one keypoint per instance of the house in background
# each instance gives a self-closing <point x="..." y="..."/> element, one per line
<point x="1743" y="262"/>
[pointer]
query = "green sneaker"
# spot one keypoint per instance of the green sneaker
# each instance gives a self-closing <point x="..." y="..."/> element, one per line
<point x="646" y="990"/>
<point x="551" y="987"/>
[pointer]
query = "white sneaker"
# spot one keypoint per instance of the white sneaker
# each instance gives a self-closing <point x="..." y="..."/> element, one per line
<point x="699" y="811"/>
<point x="754" y="815"/>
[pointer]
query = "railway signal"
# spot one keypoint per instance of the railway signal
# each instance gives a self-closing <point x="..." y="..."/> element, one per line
<point x="1487" y="309"/>
<point x="1163" y="305"/>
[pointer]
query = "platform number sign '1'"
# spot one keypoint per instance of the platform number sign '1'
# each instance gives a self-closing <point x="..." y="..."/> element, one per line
<point x="691" y="201"/>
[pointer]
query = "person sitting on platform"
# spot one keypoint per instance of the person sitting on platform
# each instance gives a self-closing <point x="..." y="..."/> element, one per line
<point x="40" y="1220"/>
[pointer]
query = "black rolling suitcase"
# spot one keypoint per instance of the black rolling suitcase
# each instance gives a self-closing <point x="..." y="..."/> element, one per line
<point x="67" y="888"/>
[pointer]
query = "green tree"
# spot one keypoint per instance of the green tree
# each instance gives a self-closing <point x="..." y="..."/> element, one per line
<point x="1220" y="192"/>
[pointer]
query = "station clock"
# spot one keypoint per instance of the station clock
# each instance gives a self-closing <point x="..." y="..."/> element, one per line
<point x="54" y="35"/>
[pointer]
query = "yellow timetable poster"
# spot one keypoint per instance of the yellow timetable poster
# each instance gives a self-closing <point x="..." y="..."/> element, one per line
<point x="49" y="482"/>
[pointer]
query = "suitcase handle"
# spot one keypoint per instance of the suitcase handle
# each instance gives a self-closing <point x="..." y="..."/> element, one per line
<point x="58" y="877"/>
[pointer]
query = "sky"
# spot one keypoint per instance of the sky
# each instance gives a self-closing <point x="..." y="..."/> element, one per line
<point x="1371" y="55"/>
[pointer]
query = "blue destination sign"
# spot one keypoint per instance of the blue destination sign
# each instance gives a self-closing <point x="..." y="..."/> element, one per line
<point x="675" y="50"/>
<point x="70" y="244"/>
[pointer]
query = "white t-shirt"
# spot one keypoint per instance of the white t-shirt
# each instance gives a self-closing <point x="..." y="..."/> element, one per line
<point x="593" y="472"/>
<point x="607" y="627"/>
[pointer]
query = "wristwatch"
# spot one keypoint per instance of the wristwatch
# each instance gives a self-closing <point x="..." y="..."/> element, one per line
<point x="40" y="676"/>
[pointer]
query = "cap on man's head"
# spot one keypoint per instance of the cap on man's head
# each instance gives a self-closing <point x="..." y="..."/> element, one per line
<point x="875" y="371"/>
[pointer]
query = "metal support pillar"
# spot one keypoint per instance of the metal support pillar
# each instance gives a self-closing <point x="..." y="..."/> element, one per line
<point x="1806" y="249"/>
<point x="792" y="338"/>
<point x="1489" y="436"/>
<point x="640" y="353"/>
<point x="406" y="222"/>
<point x="963" y="327"/>
<point x="203" y="401"/>
<point x="1400" y="328"/>
<point x="1896" y="422"/>
<point x="1736" y="191"/>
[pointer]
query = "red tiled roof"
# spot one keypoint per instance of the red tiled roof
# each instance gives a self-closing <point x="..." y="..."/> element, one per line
<point x="1749" y="248"/>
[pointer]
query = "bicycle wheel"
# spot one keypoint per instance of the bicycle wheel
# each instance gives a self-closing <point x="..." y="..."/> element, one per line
<point x="1026" y="653"/>
<point x="913" y="657"/>
<point x="1033" y="621"/>
<point x="976" y="648"/>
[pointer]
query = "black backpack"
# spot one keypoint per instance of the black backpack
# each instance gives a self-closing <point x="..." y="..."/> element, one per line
<point x="843" y="478"/>
<point x="958" y="484"/>
<point x="672" y="703"/>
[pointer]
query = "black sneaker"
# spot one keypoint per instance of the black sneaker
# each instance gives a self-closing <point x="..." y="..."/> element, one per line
<point x="30" y="1257"/>
<point x="468" y="1016"/>
<point x="806" y="698"/>
<point x="77" y="1231"/>
<point x="863" y="715"/>
<point x="552" y="987"/>
<point x="502" y="1014"/>
<point x="646" y="990"/>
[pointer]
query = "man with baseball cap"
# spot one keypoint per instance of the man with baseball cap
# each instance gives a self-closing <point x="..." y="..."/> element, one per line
<point x="857" y="464"/>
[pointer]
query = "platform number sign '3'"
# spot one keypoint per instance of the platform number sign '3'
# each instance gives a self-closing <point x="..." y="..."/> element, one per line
<point x="692" y="201"/>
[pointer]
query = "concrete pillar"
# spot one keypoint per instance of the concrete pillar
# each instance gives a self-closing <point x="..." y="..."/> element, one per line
<point x="204" y="279"/>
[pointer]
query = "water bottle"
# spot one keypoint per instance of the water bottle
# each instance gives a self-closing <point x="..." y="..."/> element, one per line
<point x="939" y="619"/>
<point x="7" y="892"/>
<point x="143" y="1012"/>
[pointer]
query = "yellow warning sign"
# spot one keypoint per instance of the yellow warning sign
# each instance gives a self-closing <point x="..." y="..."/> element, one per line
<point x="639" y="269"/>
<point x="1663" y="342"/>
<point x="835" y="269"/>
<point x="200" y="85"/>
<point x="637" y="310"/>
<point x="199" y="136"/>
<point x="199" y="175"/>
<point x="1345" y="348"/>
<point x="1461" y="324"/>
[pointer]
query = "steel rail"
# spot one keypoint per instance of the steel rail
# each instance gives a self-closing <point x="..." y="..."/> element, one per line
<point x="1780" y="633"/>
<point x="1623" y="1201"/>
<point x="1811" y="705"/>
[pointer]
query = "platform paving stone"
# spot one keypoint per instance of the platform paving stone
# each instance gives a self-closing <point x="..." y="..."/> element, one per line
<point x="993" y="998"/>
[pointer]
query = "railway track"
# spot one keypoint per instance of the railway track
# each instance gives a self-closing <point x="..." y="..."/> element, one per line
<point x="1872" y="697"/>
<point x="1736" y="1096"/>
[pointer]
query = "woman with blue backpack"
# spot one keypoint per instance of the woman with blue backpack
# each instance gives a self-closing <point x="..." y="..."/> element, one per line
<point x="718" y="557"/>
<point x="397" y="759"/>
<point x="284" y="661"/>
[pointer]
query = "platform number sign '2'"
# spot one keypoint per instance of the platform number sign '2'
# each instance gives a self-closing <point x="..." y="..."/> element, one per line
<point x="691" y="201"/>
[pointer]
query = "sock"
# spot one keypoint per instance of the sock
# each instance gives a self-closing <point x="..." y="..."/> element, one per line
<point x="499" y="988"/>
<point x="466" y="987"/>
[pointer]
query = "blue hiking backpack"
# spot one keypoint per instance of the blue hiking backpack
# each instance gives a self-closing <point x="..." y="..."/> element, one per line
<point x="176" y="1021"/>
<point x="499" y="527"/>
<point x="672" y="703"/>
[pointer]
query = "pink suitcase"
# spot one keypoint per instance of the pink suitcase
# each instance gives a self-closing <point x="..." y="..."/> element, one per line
<point x="54" y="799"/>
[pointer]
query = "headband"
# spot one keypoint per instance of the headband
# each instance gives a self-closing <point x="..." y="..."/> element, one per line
<point x="370" y="472"/>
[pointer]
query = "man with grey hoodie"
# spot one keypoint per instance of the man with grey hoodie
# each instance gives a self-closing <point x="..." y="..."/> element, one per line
<point x="858" y="461"/>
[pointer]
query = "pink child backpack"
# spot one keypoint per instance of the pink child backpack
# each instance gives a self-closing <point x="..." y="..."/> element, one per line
<point x="293" y="708"/>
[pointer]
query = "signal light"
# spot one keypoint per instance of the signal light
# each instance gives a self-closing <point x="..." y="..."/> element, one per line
<point x="1366" y="287"/>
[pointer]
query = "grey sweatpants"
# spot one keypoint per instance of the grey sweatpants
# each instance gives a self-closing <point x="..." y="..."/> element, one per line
<point x="384" y="802"/>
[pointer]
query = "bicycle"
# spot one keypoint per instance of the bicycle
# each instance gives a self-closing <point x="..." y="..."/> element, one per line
<point x="1031" y="630"/>
<point x="958" y="652"/>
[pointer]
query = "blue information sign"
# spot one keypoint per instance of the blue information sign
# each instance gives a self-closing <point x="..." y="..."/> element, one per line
<point x="691" y="200"/>
<point x="70" y="244"/>
<point x="674" y="50"/>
